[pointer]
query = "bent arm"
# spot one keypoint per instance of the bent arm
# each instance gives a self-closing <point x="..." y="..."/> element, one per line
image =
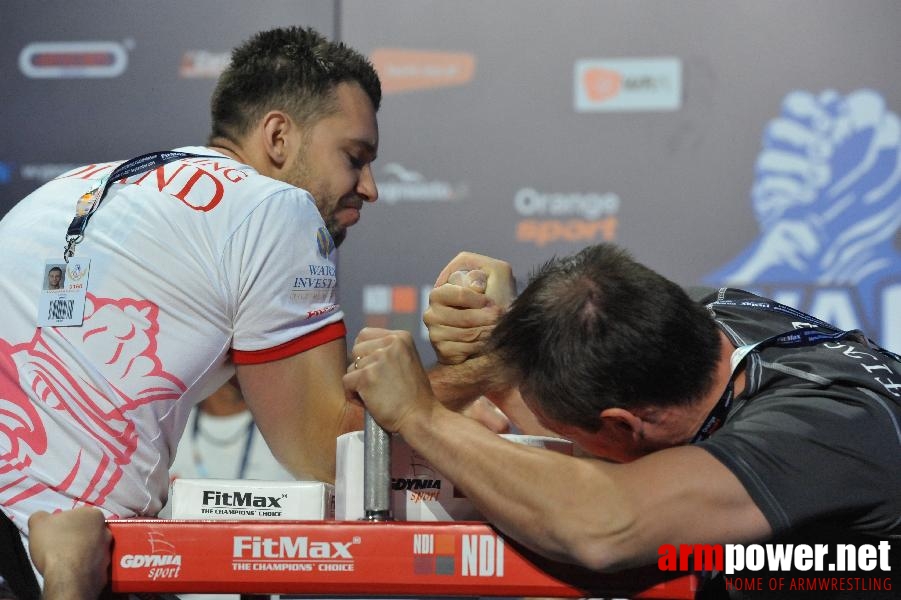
<point x="299" y="406"/>
<point x="600" y="515"/>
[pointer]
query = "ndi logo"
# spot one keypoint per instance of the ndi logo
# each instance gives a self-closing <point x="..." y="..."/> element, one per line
<point x="434" y="554"/>
<point x="481" y="555"/>
<point x="827" y="197"/>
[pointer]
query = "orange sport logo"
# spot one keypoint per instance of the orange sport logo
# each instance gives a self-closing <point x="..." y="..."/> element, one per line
<point x="601" y="84"/>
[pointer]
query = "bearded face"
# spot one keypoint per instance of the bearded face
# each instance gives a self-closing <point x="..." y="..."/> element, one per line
<point x="333" y="160"/>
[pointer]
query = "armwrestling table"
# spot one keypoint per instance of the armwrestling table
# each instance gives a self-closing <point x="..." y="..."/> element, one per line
<point x="367" y="558"/>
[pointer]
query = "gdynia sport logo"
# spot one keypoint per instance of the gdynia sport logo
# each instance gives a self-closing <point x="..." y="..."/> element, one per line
<point x="788" y="567"/>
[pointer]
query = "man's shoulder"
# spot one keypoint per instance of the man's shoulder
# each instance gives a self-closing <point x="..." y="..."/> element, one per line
<point x="699" y="293"/>
<point x="707" y="294"/>
<point x="241" y="180"/>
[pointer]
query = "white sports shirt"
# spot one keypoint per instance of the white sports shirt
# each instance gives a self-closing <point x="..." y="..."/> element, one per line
<point x="195" y="266"/>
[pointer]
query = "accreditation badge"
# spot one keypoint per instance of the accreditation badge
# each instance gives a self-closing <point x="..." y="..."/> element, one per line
<point x="63" y="292"/>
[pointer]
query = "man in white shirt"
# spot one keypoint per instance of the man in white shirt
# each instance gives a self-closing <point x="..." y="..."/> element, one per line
<point x="185" y="268"/>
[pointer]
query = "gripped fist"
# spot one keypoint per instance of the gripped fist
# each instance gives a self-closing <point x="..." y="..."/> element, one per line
<point x="471" y="293"/>
<point x="388" y="377"/>
<point x="71" y="549"/>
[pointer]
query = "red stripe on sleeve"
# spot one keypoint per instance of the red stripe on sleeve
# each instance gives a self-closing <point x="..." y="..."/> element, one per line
<point x="326" y="334"/>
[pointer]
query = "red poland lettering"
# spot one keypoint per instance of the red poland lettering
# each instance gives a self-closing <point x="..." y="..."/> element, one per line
<point x="90" y="171"/>
<point x="231" y="174"/>
<point x="200" y="200"/>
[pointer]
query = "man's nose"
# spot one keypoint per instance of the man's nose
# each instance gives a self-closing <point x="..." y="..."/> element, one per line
<point x="366" y="187"/>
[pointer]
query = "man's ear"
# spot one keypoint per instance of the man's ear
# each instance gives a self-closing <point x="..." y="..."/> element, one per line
<point x="622" y="423"/>
<point x="276" y="127"/>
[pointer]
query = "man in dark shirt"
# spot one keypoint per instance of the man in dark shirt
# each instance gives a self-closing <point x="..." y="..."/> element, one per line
<point x="733" y="419"/>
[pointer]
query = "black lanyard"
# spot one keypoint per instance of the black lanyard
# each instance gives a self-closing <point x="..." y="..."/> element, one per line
<point x="717" y="416"/>
<point x="795" y="338"/>
<point x="90" y="202"/>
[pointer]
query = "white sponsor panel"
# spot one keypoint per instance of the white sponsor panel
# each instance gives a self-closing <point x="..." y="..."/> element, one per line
<point x="237" y="499"/>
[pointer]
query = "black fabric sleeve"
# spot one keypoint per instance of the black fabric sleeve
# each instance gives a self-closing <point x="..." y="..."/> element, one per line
<point x="806" y="457"/>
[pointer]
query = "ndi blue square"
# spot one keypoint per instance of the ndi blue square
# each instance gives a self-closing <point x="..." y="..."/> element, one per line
<point x="444" y="565"/>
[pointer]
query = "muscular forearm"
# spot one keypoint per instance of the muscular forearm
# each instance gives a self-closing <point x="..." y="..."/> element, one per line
<point x="66" y="582"/>
<point x="510" y="403"/>
<point x="573" y="513"/>
<point x="313" y="446"/>
<point x="300" y="407"/>
<point x="455" y="386"/>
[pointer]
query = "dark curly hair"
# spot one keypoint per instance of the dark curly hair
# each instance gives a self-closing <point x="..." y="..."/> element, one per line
<point x="294" y="69"/>
<point x="598" y="330"/>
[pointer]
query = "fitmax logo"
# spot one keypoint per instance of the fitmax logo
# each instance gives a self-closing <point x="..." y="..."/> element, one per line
<point x="284" y="547"/>
<point x="211" y="497"/>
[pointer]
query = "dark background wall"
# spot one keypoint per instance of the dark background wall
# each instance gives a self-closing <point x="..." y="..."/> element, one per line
<point x="720" y="141"/>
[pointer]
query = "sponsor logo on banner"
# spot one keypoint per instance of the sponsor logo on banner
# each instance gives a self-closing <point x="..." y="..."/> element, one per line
<point x="412" y="70"/>
<point x="44" y="172"/>
<point x="6" y="172"/>
<point x="203" y="64"/>
<point x="787" y="567"/>
<point x="573" y="217"/>
<point x="420" y="490"/>
<point x="420" y="483"/>
<point x="287" y="553"/>
<point x="396" y="307"/>
<point x="628" y="84"/>
<point x="73" y="60"/>
<point x="477" y="555"/>
<point x="400" y="184"/>
<point x="827" y="198"/>
<point x="161" y="562"/>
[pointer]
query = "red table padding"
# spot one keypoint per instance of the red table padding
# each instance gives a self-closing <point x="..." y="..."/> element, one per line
<point x="355" y="558"/>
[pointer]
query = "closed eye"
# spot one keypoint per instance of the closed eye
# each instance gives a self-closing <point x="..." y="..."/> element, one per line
<point x="355" y="162"/>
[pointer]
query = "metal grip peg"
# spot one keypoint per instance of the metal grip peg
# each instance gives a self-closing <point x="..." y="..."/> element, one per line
<point x="376" y="471"/>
